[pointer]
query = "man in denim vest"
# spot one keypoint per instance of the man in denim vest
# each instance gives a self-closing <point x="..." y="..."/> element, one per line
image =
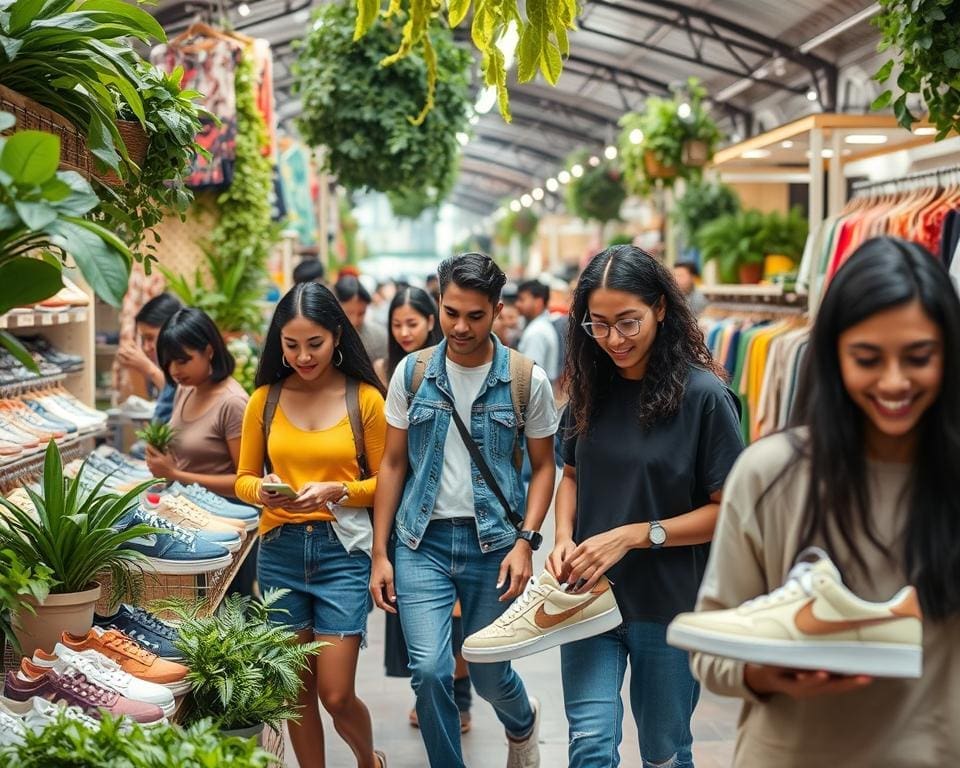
<point x="454" y="540"/>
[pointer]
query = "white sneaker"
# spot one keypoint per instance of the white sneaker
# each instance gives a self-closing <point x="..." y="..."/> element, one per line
<point x="12" y="727"/>
<point x="526" y="753"/>
<point x="137" y="408"/>
<point x="107" y="674"/>
<point x="37" y="713"/>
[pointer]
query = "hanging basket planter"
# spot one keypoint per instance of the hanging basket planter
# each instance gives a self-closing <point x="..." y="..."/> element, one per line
<point x="695" y="153"/>
<point x="655" y="169"/>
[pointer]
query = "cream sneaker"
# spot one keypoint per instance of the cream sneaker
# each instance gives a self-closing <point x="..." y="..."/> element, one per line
<point x="543" y="617"/>
<point x="812" y="622"/>
<point x="526" y="753"/>
<point x="179" y="510"/>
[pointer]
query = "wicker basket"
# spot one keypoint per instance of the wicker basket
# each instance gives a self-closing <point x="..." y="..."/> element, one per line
<point x="74" y="155"/>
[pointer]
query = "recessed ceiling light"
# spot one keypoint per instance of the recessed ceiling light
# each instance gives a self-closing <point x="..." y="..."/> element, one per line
<point x="243" y="9"/>
<point x="866" y="138"/>
<point x="786" y="144"/>
<point x="515" y="206"/>
<point x="552" y="185"/>
<point x="812" y="94"/>
<point x="825" y="153"/>
<point x="537" y="194"/>
<point x="610" y="152"/>
<point x="563" y="177"/>
<point x="576" y="171"/>
<point x="925" y="130"/>
<point x="755" y="154"/>
<point x="594" y="161"/>
<point x="526" y="201"/>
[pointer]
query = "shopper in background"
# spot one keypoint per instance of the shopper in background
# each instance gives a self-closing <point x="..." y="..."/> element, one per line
<point x="453" y="537"/>
<point x="355" y="299"/>
<point x="650" y="435"/>
<point x="412" y="323"/>
<point x="868" y="473"/>
<point x="539" y="341"/>
<point x="207" y="408"/>
<point x="142" y="357"/>
<point x="317" y="543"/>
<point x="686" y="273"/>
<point x="433" y="288"/>
<point x="310" y="270"/>
<point x="507" y="324"/>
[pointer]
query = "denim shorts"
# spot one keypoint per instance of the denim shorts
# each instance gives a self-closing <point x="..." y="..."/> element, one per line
<point x="329" y="589"/>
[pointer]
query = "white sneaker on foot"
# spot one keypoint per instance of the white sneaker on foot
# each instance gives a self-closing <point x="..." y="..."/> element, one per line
<point x="526" y="753"/>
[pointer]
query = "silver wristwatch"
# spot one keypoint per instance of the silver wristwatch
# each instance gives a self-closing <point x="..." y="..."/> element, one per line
<point x="658" y="535"/>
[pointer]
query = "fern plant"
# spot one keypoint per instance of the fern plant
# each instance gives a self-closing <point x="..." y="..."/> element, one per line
<point x="158" y="435"/>
<point x="244" y="667"/>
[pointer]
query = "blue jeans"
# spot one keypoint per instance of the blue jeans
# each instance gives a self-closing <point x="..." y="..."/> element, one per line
<point x="663" y="694"/>
<point x="448" y="565"/>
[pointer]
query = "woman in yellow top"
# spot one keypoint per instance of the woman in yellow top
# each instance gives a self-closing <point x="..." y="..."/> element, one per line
<point x="316" y="543"/>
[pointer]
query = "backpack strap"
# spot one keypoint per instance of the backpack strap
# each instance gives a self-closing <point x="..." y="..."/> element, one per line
<point x="420" y="362"/>
<point x="521" y="377"/>
<point x="356" y="425"/>
<point x="269" y="409"/>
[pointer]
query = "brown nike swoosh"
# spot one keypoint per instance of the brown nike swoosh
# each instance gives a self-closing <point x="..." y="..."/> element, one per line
<point x="809" y="624"/>
<point x="546" y="620"/>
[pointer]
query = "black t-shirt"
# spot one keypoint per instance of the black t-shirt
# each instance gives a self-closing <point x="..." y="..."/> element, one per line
<point x="626" y="474"/>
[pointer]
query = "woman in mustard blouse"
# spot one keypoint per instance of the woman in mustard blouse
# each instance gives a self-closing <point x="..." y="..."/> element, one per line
<point x="317" y="543"/>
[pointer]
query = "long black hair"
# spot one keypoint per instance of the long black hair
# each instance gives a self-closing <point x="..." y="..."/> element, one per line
<point x="678" y="344"/>
<point x="422" y="303"/>
<point x="192" y="329"/>
<point x="317" y="304"/>
<point x="881" y="274"/>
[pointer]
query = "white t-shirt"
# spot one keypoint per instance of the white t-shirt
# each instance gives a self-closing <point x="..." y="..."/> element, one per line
<point x="455" y="495"/>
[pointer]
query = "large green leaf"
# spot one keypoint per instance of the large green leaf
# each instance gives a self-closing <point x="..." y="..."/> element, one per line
<point x="22" y="12"/>
<point x="103" y="266"/>
<point x="12" y="344"/>
<point x="35" y="214"/>
<point x="136" y="16"/>
<point x="26" y="281"/>
<point x="31" y="157"/>
<point x="82" y="198"/>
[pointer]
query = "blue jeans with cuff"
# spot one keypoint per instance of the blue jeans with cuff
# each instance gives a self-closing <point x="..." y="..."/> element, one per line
<point x="448" y="565"/>
<point x="663" y="694"/>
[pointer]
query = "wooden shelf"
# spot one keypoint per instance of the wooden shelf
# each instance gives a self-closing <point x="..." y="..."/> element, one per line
<point x="72" y="447"/>
<point x="37" y="319"/>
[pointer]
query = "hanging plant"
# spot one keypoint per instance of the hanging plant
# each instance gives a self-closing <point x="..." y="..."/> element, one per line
<point x="926" y="37"/>
<point x="410" y="204"/>
<point x="522" y="224"/>
<point x="672" y="138"/>
<point x="359" y="110"/>
<point x="543" y="39"/>
<point x="598" y="194"/>
<point x="702" y="202"/>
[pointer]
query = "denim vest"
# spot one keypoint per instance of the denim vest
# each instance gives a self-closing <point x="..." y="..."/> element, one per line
<point x="493" y="426"/>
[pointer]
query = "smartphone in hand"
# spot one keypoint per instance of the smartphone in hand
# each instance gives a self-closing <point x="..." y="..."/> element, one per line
<point x="280" y="488"/>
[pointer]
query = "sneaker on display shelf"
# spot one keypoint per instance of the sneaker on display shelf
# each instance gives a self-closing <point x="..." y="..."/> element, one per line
<point x="217" y="504"/>
<point x="812" y="622"/>
<point x="176" y="552"/>
<point x="543" y="617"/>
<point x="137" y="408"/>
<point x="37" y="713"/>
<point x="153" y="634"/>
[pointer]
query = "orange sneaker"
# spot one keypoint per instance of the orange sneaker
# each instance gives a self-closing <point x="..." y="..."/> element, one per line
<point x="132" y="657"/>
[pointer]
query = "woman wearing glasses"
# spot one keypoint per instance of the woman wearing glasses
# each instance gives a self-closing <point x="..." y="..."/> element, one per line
<point x="649" y="437"/>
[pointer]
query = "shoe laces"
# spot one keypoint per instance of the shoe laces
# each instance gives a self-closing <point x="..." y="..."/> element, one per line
<point x="800" y="579"/>
<point x="180" y="534"/>
<point x="203" y="493"/>
<point x="75" y="681"/>
<point x="101" y="668"/>
<point x="119" y="641"/>
<point x="151" y="622"/>
<point x="186" y="509"/>
<point x="531" y="593"/>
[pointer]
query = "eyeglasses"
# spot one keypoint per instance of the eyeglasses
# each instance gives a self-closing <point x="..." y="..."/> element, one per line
<point x="629" y="326"/>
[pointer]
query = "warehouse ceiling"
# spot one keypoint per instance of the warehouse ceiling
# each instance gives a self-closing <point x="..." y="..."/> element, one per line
<point x="762" y="61"/>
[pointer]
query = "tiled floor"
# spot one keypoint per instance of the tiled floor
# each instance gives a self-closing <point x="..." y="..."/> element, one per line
<point x="390" y="699"/>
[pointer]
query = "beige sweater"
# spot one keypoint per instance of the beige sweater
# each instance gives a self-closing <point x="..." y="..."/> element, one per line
<point x="890" y="723"/>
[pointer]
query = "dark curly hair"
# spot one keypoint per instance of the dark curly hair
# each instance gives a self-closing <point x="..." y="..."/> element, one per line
<point x="678" y="344"/>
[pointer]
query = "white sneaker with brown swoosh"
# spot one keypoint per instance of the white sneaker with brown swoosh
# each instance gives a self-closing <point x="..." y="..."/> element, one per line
<point x="543" y="617"/>
<point x="812" y="622"/>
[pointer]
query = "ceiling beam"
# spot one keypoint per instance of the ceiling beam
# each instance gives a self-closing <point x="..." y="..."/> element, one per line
<point x="516" y="146"/>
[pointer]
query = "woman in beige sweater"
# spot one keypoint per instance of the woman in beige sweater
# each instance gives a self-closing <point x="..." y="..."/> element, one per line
<point x="869" y="474"/>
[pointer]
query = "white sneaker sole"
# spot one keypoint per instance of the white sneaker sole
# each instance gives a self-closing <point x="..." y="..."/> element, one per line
<point x="187" y="567"/>
<point x="841" y="657"/>
<point x="178" y="688"/>
<point x="595" y="625"/>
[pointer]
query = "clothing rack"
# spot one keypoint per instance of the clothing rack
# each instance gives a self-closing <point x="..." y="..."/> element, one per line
<point x="756" y="308"/>
<point x="911" y="180"/>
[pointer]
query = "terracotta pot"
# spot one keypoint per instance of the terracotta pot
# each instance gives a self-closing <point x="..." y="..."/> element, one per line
<point x="655" y="169"/>
<point x="695" y="153"/>
<point x="750" y="274"/>
<point x="71" y="612"/>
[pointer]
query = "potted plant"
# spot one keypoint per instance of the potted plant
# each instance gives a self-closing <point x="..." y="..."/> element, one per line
<point x="598" y="194"/>
<point x="671" y="138"/>
<point x="367" y="115"/>
<point x="702" y="202"/>
<point x="783" y="238"/>
<point x="244" y="668"/>
<point x="117" y="742"/>
<point x="159" y="435"/>
<point x="735" y="241"/>
<point x="925" y="35"/>
<point x="21" y="587"/>
<point x="43" y="210"/>
<point x="74" y="534"/>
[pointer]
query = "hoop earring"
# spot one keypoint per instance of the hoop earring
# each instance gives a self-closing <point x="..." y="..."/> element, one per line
<point x="284" y="363"/>
<point x="337" y="364"/>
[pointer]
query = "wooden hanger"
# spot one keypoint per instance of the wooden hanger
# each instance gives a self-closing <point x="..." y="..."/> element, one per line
<point x="200" y="29"/>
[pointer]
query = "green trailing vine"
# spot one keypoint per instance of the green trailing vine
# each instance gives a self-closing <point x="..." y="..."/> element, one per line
<point x="925" y="35"/>
<point x="543" y="43"/>
<point x="358" y="110"/>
